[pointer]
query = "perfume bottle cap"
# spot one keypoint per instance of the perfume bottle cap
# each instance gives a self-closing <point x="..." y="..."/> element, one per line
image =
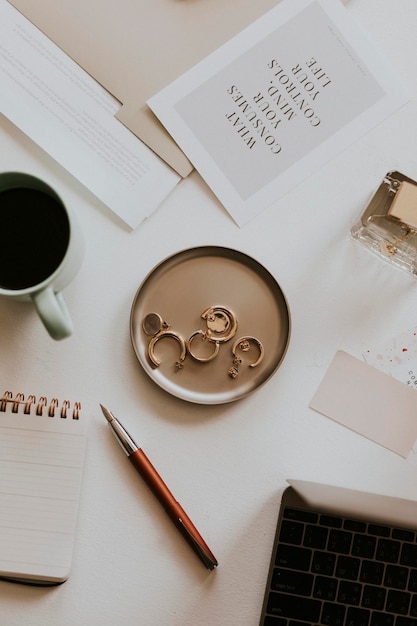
<point x="404" y="204"/>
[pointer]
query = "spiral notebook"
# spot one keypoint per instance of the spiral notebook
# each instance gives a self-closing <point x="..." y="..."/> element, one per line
<point x="42" y="446"/>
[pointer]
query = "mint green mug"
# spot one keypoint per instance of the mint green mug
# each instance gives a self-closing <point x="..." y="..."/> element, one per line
<point x="41" y="248"/>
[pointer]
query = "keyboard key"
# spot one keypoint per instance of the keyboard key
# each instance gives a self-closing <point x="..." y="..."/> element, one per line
<point x="294" y="607"/>
<point x="388" y="550"/>
<point x="372" y="572"/>
<point x="330" y="520"/>
<point x="347" y="567"/>
<point x="406" y="621"/>
<point x="357" y="617"/>
<point x="381" y="531"/>
<point x="290" y="581"/>
<point x="333" y="614"/>
<point x="357" y="527"/>
<point x="349" y="592"/>
<point x="293" y="557"/>
<point x="409" y="555"/>
<point x="403" y="535"/>
<point x="396" y="576"/>
<point x="412" y="581"/>
<point x="274" y="621"/>
<point x="301" y="516"/>
<point x="315" y="537"/>
<point x="374" y="597"/>
<point x="364" y="546"/>
<point x="325" y="588"/>
<point x="398" y="602"/>
<point x="413" y="607"/>
<point x="382" y="619"/>
<point x="339" y="541"/>
<point x="291" y="532"/>
<point x="323" y="563"/>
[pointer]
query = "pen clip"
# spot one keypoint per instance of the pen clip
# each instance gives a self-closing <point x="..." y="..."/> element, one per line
<point x="209" y="561"/>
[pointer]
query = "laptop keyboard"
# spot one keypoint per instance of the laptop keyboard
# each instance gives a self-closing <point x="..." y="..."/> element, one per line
<point x="335" y="571"/>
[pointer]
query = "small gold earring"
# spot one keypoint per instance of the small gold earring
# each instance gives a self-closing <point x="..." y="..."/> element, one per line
<point x="244" y="344"/>
<point x="204" y="337"/>
<point x="167" y="333"/>
<point x="221" y="323"/>
<point x="157" y="328"/>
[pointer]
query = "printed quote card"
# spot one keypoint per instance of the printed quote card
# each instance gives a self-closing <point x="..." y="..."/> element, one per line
<point x="277" y="101"/>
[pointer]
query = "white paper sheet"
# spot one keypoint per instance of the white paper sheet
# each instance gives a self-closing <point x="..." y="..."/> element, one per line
<point x="60" y="107"/>
<point x="277" y="101"/>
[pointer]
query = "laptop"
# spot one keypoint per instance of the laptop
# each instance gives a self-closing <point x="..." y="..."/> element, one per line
<point x="342" y="558"/>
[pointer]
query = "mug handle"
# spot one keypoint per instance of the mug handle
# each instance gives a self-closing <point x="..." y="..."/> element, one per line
<point x="53" y="313"/>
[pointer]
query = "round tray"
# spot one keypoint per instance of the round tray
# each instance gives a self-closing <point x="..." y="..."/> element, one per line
<point x="180" y="289"/>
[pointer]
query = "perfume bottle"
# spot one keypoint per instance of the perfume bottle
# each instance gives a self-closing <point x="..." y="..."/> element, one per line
<point x="388" y="225"/>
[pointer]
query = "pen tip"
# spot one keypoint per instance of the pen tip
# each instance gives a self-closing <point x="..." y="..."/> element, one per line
<point x="106" y="413"/>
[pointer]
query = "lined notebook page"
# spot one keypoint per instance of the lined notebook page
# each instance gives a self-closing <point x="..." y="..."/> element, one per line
<point x="41" y="463"/>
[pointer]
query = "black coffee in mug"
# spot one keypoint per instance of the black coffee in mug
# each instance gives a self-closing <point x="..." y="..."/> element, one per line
<point x="35" y="234"/>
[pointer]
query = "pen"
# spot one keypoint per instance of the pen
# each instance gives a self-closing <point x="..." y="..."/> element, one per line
<point x="149" y="474"/>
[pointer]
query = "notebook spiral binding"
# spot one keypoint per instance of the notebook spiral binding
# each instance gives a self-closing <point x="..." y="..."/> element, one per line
<point x="39" y="406"/>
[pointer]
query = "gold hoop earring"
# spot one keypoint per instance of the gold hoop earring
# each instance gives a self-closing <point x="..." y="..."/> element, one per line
<point x="244" y="344"/>
<point x="204" y="337"/>
<point x="220" y="320"/>
<point x="167" y="333"/>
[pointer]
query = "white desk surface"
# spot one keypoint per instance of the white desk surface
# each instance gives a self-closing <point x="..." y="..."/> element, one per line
<point x="226" y="464"/>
